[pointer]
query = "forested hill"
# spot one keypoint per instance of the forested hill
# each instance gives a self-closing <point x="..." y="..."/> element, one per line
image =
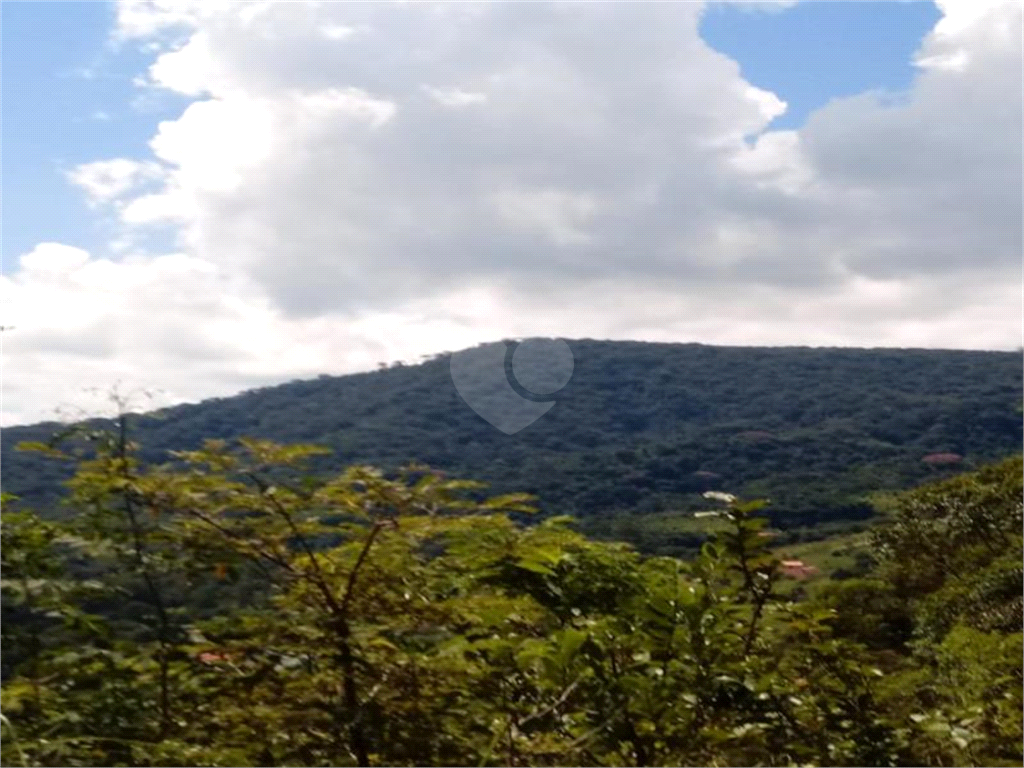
<point x="641" y="427"/>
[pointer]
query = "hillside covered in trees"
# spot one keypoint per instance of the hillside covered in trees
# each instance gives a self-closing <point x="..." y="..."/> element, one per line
<point x="227" y="609"/>
<point x="640" y="429"/>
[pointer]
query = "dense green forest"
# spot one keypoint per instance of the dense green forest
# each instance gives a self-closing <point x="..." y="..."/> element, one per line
<point x="228" y="607"/>
<point x="641" y="430"/>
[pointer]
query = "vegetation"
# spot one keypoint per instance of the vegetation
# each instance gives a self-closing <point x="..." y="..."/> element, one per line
<point x="641" y="429"/>
<point x="229" y="608"/>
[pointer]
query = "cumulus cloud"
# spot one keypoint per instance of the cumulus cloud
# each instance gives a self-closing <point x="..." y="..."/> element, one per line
<point x="359" y="182"/>
<point x="173" y="323"/>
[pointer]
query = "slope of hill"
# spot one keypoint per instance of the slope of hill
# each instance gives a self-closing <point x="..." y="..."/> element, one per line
<point x="640" y="428"/>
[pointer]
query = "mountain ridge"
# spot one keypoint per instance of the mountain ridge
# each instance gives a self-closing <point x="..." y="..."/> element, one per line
<point x="640" y="427"/>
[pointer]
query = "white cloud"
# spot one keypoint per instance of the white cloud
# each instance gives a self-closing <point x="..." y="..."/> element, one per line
<point x="360" y="182"/>
<point x="106" y="181"/>
<point x="48" y="258"/>
<point x="453" y="97"/>
<point x="560" y="216"/>
<point x="191" y="70"/>
<point x="337" y="31"/>
<point x="141" y="18"/>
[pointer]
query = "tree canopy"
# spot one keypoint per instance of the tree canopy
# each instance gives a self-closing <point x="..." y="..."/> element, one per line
<point x="641" y="429"/>
<point x="229" y="608"/>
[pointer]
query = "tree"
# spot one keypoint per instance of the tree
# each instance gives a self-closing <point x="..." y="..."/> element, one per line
<point x="407" y="618"/>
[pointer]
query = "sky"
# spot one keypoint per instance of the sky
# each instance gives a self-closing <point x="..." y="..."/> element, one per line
<point x="204" y="197"/>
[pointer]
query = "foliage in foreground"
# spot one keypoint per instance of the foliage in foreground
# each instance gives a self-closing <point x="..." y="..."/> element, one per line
<point x="221" y="610"/>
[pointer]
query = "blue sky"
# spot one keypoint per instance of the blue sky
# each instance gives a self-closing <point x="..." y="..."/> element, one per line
<point x="816" y="51"/>
<point x="68" y="96"/>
